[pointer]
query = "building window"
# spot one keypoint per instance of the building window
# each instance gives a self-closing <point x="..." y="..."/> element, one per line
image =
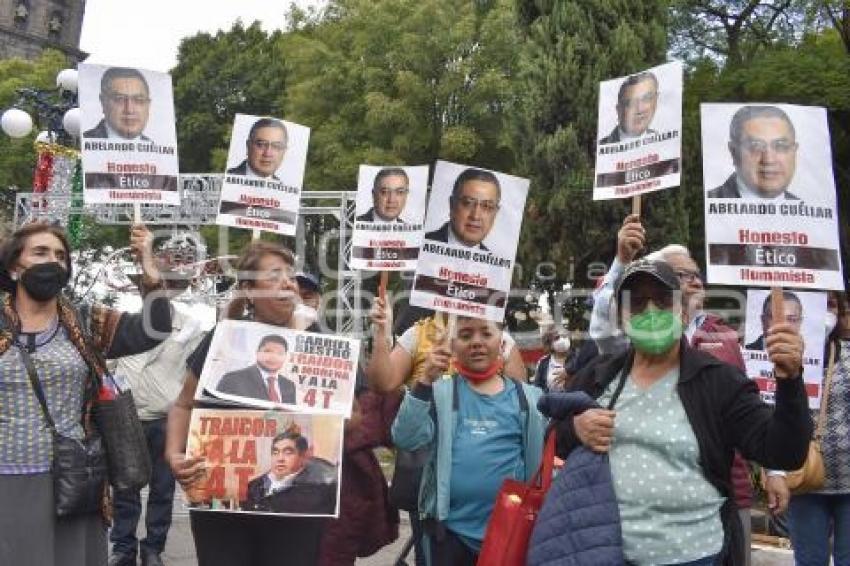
<point x="21" y="14"/>
<point x="54" y="26"/>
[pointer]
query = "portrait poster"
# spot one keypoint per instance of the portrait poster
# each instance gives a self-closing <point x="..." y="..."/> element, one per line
<point x="808" y="309"/>
<point x="471" y="235"/>
<point x="640" y="133"/>
<point x="770" y="204"/>
<point x="128" y="136"/>
<point x="389" y="215"/>
<point x="266" y="462"/>
<point x="259" y="365"/>
<point x="264" y="175"/>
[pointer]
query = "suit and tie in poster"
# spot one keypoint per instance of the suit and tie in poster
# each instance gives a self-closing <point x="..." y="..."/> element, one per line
<point x="258" y="365"/>
<point x="640" y="126"/>
<point x="264" y="175"/>
<point x="806" y="311"/>
<point x="471" y="236"/>
<point x="389" y="217"/>
<point x="770" y="206"/>
<point x="266" y="462"/>
<point x="129" y="140"/>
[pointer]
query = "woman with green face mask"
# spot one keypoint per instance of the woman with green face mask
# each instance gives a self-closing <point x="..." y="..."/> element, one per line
<point x="676" y="423"/>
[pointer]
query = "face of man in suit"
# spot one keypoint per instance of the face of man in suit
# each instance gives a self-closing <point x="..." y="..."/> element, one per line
<point x="765" y="155"/>
<point x="286" y="460"/>
<point x="271" y="356"/>
<point x="390" y="196"/>
<point x="126" y="104"/>
<point x="636" y="108"/>
<point x="793" y="315"/>
<point x="266" y="149"/>
<point x="474" y="210"/>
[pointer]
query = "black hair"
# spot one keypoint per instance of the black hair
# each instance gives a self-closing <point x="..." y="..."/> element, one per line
<point x="268" y="123"/>
<point x="113" y="73"/>
<point x="786" y="296"/>
<point x="388" y="172"/>
<point x="301" y="443"/>
<point x="473" y="174"/>
<point x="633" y="80"/>
<point x="274" y="339"/>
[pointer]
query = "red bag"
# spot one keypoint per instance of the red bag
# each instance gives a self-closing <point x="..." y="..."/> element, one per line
<point x="517" y="504"/>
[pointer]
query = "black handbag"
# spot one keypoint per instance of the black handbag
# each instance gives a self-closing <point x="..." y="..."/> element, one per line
<point x="124" y="438"/>
<point x="407" y="474"/>
<point x="79" y="466"/>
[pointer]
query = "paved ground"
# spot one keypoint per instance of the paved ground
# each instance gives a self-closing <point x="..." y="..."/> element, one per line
<point x="180" y="550"/>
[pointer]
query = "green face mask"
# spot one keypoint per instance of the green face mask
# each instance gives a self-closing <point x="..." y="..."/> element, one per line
<point x="654" y="331"/>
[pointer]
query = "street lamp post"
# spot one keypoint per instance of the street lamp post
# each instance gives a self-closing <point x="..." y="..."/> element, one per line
<point x="56" y="111"/>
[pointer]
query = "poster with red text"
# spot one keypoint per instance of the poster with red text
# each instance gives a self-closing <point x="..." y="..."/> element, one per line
<point x="471" y="236"/>
<point x="259" y="365"/>
<point x="770" y="203"/>
<point x="266" y="462"/>
<point x="129" y="139"/>
<point x="390" y="210"/>
<point x="804" y="310"/>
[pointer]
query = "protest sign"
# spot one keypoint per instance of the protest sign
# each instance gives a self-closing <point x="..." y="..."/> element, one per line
<point x="129" y="141"/>
<point x="260" y="365"/>
<point x="805" y="310"/>
<point x="770" y="207"/>
<point x="640" y="126"/>
<point x="266" y="462"/>
<point x="471" y="235"/>
<point x="389" y="213"/>
<point x="265" y="172"/>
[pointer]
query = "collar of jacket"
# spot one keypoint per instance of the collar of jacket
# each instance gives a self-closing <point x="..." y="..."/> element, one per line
<point x="691" y="363"/>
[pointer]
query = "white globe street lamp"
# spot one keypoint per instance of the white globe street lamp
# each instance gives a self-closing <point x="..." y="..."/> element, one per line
<point x="67" y="80"/>
<point x="71" y="122"/>
<point x="16" y="123"/>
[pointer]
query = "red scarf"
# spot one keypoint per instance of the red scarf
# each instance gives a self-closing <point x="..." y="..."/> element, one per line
<point x="479" y="376"/>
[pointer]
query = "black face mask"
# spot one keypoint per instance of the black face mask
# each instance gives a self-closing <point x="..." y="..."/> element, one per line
<point x="44" y="281"/>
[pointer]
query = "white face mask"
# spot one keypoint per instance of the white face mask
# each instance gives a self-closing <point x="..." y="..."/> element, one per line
<point x="830" y="320"/>
<point x="561" y="345"/>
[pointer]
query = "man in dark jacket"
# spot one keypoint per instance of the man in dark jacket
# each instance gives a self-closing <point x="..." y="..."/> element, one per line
<point x="711" y="408"/>
<point x="262" y="380"/>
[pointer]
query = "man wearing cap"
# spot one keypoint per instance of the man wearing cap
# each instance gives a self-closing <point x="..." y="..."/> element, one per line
<point x="680" y="416"/>
<point x="702" y="330"/>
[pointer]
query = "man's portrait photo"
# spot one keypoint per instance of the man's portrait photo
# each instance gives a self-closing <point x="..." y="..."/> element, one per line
<point x="636" y="103"/>
<point x="793" y="308"/>
<point x="125" y="99"/>
<point x="473" y="206"/>
<point x="264" y="379"/>
<point x="296" y="482"/>
<point x="763" y="146"/>
<point x="265" y="149"/>
<point x="389" y="196"/>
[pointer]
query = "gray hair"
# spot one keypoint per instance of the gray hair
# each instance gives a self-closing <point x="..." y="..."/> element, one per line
<point x="747" y="113"/>
<point x="671" y="249"/>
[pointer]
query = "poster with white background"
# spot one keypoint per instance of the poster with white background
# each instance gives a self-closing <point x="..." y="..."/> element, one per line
<point x="806" y="309"/>
<point x="389" y="215"/>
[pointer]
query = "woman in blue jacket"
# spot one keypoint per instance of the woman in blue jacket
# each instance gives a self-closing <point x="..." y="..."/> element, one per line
<point x="482" y="427"/>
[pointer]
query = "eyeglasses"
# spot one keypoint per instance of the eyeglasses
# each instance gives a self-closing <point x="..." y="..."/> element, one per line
<point x="122" y="99"/>
<point x="264" y="145"/>
<point x="469" y="203"/>
<point x="638" y="303"/>
<point x="387" y="191"/>
<point x="781" y="146"/>
<point x="645" y="99"/>
<point x="689" y="276"/>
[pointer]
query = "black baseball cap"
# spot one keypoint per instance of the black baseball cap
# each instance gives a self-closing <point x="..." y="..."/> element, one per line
<point x="307" y="280"/>
<point x="658" y="270"/>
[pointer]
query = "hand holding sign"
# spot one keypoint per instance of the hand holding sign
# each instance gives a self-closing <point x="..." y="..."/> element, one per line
<point x="380" y="317"/>
<point x="189" y="472"/>
<point x="631" y="238"/>
<point x="783" y="342"/>
<point x="141" y="244"/>
<point x="438" y="360"/>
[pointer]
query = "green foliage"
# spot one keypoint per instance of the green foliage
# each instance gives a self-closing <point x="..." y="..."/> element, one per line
<point x="402" y="81"/>
<point x="235" y="71"/>
<point x="568" y="48"/>
<point x="17" y="156"/>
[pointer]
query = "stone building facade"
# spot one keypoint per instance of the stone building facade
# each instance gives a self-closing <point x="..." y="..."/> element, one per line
<point x="27" y="27"/>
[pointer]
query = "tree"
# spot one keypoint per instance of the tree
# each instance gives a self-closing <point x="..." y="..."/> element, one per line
<point x="216" y="77"/>
<point x="569" y="47"/>
<point x="17" y="156"/>
<point x="402" y="81"/>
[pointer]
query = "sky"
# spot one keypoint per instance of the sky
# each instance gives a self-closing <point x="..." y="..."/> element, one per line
<point x="146" y="33"/>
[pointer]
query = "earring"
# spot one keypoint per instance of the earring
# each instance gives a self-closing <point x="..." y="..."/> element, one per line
<point x="248" y="310"/>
